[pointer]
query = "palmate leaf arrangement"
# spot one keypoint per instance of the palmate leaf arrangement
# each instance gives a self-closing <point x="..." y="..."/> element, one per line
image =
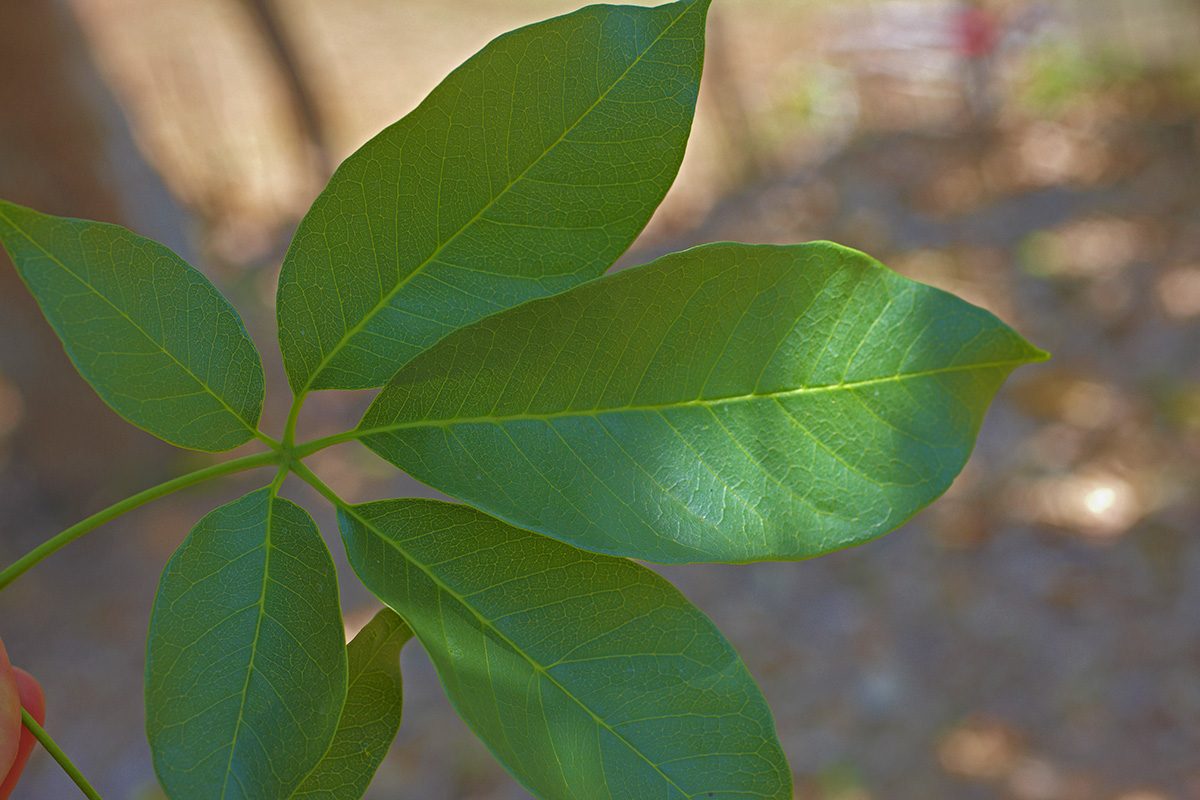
<point x="728" y="403"/>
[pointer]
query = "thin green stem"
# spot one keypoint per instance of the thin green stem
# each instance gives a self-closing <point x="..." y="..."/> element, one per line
<point x="58" y="755"/>
<point x="308" y="448"/>
<point x="305" y="474"/>
<point x="268" y="441"/>
<point x="289" y="429"/>
<point x="282" y="473"/>
<point x="72" y="533"/>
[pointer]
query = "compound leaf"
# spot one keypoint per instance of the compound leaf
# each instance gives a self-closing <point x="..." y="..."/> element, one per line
<point x="526" y="172"/>
<point x="587" y="676"/>
<point x="371" y="716"/>
<point x="246" y="657"/>
<point x="729" y="403"/>
<point x="152" y="335"/>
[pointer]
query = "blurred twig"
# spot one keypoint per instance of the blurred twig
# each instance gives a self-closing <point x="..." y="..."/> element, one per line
<point x="743" y="143"/>
<point x="308" y="113"/>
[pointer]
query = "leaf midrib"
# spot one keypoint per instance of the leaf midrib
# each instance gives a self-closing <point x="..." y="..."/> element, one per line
<point x="208" y="389"/>
<point x="506" y="640"/>
<point x="387" y="298"/>
<point x="262" y="613"/>
<point x="699" y="402"/>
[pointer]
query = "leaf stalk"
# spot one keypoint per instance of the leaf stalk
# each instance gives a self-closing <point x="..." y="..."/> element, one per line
<point x="22" y="565"/>
<point x="289" y="428"/>
<point x="58" y="755"/>
<point x="314" y="445"/>
<point x="268" y="441"/>
<point x="309" y="477"/>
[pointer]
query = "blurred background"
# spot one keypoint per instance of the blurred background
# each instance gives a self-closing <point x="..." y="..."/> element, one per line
<point x="1035" y="635"/>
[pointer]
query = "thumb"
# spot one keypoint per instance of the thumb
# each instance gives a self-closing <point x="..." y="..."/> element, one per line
<point x="33" y="699"/>
<point x="10" y="713"/>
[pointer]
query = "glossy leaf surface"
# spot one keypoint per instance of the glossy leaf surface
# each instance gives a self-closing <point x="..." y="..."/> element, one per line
<point x="587" y="676"/>
<point x="371" y="716"/>
<point x="526" y="172"/>
<point x="151" y="334"/>
<point x="728" y="403"/>
<point x="246" y="657"/>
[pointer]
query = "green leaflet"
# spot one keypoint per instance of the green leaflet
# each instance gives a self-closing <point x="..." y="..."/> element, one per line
<point x="151" y="335"/>
<point x="245" y="661"/>
<point x="526" y="172"/>
<point x="371" y="716"/>
<point x="729" y="403"/>
<point x="587" y="676"/>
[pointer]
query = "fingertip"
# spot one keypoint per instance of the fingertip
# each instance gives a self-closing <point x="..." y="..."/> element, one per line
<point x="33" y="697"/>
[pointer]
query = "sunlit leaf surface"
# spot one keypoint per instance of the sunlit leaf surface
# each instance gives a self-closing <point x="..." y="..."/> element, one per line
<point x="154" y="338"/>
<point x="588" y="676"/>
<point x="729" y="403"/>
<point x="246" y="656"/>
<point x="526" y="172"/>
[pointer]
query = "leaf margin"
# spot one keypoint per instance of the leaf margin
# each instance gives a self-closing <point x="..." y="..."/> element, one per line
<point x="457" y="389"/>
<point x="249" y="409"/>
<point x="301" y="386"/>
<point x="393" y="634"/>
<point x="349" y="518"/>
<point x="243" y="506"/>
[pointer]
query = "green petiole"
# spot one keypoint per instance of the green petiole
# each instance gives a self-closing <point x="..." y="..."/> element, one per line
<point x="72" y="533"/>
<point x="308" y="476"/>
<point x="58" y="755"/>
<point x="289" y="428"/>
<point x="308" y="448"/>
<point x="268" y="441"/>
<point x="284" y="456"/>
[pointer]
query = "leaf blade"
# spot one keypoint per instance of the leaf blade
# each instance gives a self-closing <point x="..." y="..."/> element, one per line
<point x="728" y="403"/>
<point x="149" y="332"/>
<point x="492" y="202"/>
<point x="246" y="665"/>
<point x="637" y="694"/>
<point x="371" y="716"/>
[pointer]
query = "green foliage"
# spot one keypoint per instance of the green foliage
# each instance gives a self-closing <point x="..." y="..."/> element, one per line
<point x="526" y="172"/>
<point x="371" y="716"/>
<point x="1057" y="76"/>
<point x="151" y="335"/>
<point x="245" y="660"/>
<point x="542" y="646"/>
<point x="729" y="403"/>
